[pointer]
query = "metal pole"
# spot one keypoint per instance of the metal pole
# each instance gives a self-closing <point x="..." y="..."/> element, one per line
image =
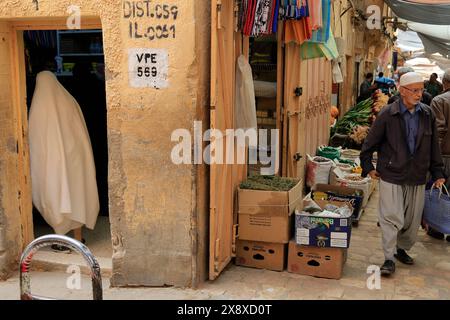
<point x="46" y="241"/>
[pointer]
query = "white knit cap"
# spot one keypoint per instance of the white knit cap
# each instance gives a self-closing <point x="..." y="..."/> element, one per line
<point x="409" y="78"/>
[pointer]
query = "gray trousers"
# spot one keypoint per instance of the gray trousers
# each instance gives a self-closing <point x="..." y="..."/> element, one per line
<point x="400" y="215"/>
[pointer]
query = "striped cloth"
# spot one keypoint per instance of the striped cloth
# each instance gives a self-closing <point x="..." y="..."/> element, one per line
<point x="311" y="50"/>
<point x="315" y="13"/>
<point x="323" y="34"/>
<point x="275" y="18"/>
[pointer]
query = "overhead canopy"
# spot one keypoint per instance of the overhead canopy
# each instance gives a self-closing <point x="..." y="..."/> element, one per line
<point x="435" y="12"/>
<point x="435" y="39"/>
<point x="435" y="45"/>
<point x="408" y="41"/>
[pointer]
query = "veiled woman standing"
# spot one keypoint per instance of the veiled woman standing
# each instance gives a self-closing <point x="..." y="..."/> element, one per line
<point x="64" y="186"/>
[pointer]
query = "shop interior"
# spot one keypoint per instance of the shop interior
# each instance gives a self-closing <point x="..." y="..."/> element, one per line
<point x="263" y="60"/>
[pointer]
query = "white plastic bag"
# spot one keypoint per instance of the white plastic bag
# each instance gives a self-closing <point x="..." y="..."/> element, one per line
<point x="337" y="73"/>
<point x="245" y="111"/>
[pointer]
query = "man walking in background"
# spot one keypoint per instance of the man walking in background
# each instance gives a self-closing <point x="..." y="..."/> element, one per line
<point x="367" y="88"/>
<point x="405" y="137"/>
<point x="433" y="86"/>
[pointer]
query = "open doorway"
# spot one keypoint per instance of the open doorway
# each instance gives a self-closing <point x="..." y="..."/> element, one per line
<point x="77" y="60"/>
<point x="263" y="58"/>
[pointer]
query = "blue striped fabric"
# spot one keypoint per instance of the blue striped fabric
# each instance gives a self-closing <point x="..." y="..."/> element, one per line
<point x="322" y="35"/>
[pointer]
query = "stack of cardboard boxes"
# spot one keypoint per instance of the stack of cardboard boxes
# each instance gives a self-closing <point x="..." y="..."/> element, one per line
<point x="265" y="226"/>
<point x="273" y="228"/>
<point x="320" y="245"/>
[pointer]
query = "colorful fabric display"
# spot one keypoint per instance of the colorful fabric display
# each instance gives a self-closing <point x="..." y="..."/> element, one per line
<point x="322" y="35"/>
<point x="297" y="31"/>
<point x="258" y="17"/>
<point x="315" y="13"/>
<point x="311" y="50"/>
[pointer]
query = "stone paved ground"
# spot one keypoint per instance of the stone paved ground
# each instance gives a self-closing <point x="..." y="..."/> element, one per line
<point x="429" y="278"/>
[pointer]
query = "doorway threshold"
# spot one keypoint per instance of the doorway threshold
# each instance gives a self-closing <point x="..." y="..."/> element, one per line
<point x="98" y="241"/>
<point x="47" y="260"/>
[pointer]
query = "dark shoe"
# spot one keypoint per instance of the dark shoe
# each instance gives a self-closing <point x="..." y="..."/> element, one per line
<point x="387" y="268"/>
<point x="403" y="257"/>
<point x="435" y="234"/>
<point x="60" y="248"/>
<point x="448" y="238"/>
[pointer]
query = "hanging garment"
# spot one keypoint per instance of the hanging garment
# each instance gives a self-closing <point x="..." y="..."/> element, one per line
<point x="293" y="9"/>
<point x="271" y="17"/>
<point x="262" y="17"/>
<point x="323" y="34"/>
<point x="245" y="112"/>
<point x="315" y="13"/>
<point x="64" y="187"/>
<point x="311" y="50"/>
<point x="250" y="17"/>
<point x="275" y="17"/>
<point x="297" y="31"/>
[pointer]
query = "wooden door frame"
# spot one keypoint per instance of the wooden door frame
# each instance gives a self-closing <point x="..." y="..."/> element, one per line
<point x="19" y="98"/>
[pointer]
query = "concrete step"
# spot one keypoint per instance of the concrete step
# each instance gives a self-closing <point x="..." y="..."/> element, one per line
<point x="46" y="260"/>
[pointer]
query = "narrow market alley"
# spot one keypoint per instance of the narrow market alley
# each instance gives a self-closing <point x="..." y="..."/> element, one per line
<point x="429" y="278"/>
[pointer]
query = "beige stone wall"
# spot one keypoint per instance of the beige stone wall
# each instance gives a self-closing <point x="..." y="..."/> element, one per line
<point x="158" y="210"/>
<point x="361" y="44"/>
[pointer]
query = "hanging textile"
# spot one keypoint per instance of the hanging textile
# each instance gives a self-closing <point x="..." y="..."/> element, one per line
<point x="311" y="50"/>
<point x="64" y="187"/>
<point x="315" y="13"/>
<point x="322" y="35"/>
<point x="258" y="17"/>
<point x="275" y="17"/>
<point x="262" y="19"/>
<point x="248" y="19"/>
<point x="293" y="9"/>
<point x="271" y="18"/>
<point x="297" y="31"/>
<point x="245" y="107"/>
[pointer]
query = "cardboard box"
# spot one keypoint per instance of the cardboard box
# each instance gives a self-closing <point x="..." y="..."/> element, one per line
<point x="267" y="215"/>
<point x="262" y="255"/>
<point x="317" y="262"/>
<point x="339" y="193"/>
<point x="315" y="230"/>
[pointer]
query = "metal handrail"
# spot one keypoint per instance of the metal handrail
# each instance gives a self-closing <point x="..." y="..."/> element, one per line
<point x="46" y="241"/>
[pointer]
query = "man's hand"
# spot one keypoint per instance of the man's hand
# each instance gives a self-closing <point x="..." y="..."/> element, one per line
<point x="439" y="183"/>
<point x="375" y="175"/>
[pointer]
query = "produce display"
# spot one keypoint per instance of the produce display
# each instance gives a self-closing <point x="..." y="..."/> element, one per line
<point x="357" y="121"/>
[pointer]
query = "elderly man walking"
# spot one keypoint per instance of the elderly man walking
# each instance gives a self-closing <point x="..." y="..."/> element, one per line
<point x="405" y="137"/>
<point x="441" y="108"/>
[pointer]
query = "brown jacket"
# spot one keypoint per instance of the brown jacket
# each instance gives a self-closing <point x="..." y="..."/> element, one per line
<point x="441" y="108"/>
<point x="395" y="163"/>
